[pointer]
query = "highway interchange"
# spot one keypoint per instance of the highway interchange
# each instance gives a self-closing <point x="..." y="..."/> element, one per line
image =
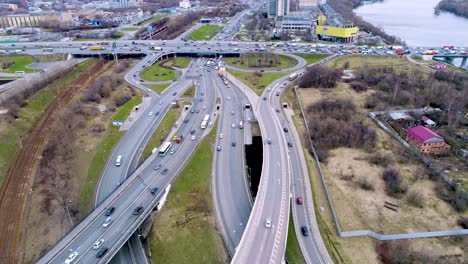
<point x="243" y="224"/>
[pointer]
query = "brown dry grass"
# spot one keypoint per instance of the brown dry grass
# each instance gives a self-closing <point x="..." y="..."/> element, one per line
<point x="42" y="231"/>
<point x="361" y="209"/>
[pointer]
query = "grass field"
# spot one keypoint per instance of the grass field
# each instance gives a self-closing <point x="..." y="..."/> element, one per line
<point x="148" y="21"/>
<point x="312" y="58"/>
<point x="285" y="62"/>
<point x="162" y="131"/>
<point x="52" y="57"/>
<point x="359" y="61"/>
<point x="205" y="32"/>
<point x="185" y="228"/>
<point x="13" y="63"/>
<point x="257" y="81"/>
<point x="157" y="73"/>
<point x="102" y="154"/>
<point x="189" y="93"/>
<point x="293" y="251"/>
<point x="130" y="29"/>
<point x="159" y="88"/>
<point x="11" y="134"/>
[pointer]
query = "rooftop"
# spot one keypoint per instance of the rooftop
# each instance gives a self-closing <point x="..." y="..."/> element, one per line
<point x="422" y="134"/>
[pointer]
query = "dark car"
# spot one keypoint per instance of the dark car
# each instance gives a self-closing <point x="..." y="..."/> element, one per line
<point x="192" y="132"/>
<point x="174" y="93"/>
<point x="305" y="231"/>
<point x="233" y="144"/>
<point x="157" y="113"/>
<point x="109" y="211"/>
<point x="185" y="120"/>
<point x="138" y="210"/>
<point x="102" y="252"/>
<point x="290" y="144"/>
<point x="285" y="129"/>
<point x="154" y="190"/>
<point x="164" y="171"/>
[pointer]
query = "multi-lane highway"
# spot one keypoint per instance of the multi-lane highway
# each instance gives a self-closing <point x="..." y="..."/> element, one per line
<point x="265" y="236"/>
<point x="230" y="187"/>
<point x="134" y="192"/>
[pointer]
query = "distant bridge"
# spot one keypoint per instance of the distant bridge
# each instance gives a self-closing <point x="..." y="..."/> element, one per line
<point x="449" y="58"/>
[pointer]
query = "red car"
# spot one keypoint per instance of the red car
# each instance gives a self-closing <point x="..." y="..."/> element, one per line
<point x="299" y="200"/>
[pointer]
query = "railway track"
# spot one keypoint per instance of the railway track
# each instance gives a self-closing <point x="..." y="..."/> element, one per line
<point x="14" y="192"/>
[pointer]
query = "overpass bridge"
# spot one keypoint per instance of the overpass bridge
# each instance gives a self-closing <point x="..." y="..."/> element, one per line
<point x="450" y="58"/>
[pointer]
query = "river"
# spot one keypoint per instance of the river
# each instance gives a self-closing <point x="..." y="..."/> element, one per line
<point x="414" y="22"/>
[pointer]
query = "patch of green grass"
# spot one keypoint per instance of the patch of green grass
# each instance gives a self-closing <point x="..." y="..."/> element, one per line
<point x="157" y="73"/>
<point x="150" y="20"/>
<point x="284" y="61"/>
<point x="10" y="137"/>
<point x="312" y="58"/>
<point x="52" y="57"/>
<point x="190" y="93"/>
<point x="159" y="88"/>
<point x="13" y="63"/>
<point x="293" y="250"/>
<point x="129" y="29"/>
<point x="102" y="154"/>
<point x="359" y="61"/>
<point x="186" y="229"/>
<point x="206" y="32"/>
<point x="178" y="62"/>
<point x="95" y="169"/>
<point x="257" y="80"/>
<point x="162" y="131"/>
<point x="124" y="110"/>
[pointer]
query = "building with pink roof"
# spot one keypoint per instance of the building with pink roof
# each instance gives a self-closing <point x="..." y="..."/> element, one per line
<point x="426" y="140"/>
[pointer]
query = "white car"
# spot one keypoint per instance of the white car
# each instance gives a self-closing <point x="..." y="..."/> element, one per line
<point x="192" y="137"/>
<point x="98" y="243"/>
<point x="107" y="222"/>
<point x="71" y="257"/>
<point x="229" y="98"/>
<point x="233" y="125"/>
<point x="268" y="222"/>
<point x="150" y="113"/>
<point x="221" y="136"/>
<point x="118" y="161"/>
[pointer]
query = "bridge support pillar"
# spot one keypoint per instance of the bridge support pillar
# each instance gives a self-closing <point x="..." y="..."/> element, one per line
<point x="463" y="63"/>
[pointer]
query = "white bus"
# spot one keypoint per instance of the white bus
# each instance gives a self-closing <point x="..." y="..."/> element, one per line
<point x="164" y="149"/>
<point x="205" y="121"/>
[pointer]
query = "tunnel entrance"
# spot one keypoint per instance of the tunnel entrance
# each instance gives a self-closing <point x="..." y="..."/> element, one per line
<point x="254" y="160"/>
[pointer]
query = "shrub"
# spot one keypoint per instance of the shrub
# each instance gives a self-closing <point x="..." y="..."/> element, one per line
<point x="339" y="109"/>
<point x="393" y="182"/>
<point x="394" y="252"/>
<point x="365" y="184"/>
<point x="415" y="198"/>
<point x="320" y="76"/>
<point x="381" y="159"/>
<point x="358" y="86"/>
<point x="322" y="155"/>
<point x="463" y="222"/>
<point x="122" y="100"/>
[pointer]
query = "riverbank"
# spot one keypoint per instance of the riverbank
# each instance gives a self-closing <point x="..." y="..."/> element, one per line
<point x="459" y="8"/>
<point x="345" y="8"/>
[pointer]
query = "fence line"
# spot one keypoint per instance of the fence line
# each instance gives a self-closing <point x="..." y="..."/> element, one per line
<point x="369" y="233"/>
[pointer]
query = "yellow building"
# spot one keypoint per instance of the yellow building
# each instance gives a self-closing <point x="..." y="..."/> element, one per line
<point x="341" y="33"/>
